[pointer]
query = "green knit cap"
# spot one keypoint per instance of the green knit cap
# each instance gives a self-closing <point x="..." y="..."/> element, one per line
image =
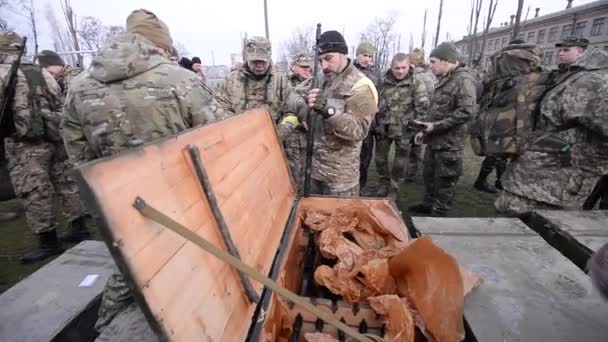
<point x="48" y="57"/>
<point x="446" y="51"/>
<point x="365" y="47"/>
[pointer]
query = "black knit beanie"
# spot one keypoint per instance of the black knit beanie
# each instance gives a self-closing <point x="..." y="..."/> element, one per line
<point x="196" y="60"/>
<point x="48" y="57"/>
<point x="332" y="41"/>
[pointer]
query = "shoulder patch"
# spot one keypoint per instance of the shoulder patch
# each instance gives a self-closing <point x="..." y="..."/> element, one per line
<point x="363" y="82"/>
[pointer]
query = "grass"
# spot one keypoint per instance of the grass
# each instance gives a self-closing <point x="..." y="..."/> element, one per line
<point x="17" y="239"/>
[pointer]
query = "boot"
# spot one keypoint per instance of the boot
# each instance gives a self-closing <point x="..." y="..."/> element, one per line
<point x="48" y="245"/>
<point x="77" y="231"/>
<point x="482" y="184"/>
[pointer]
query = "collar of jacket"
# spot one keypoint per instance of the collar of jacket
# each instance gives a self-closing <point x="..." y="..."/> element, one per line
<point x="445" y="78"/>
<point x="389" y="78"/>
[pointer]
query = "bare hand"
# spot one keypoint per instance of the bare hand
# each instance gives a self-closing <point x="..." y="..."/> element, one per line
<point x="313" y="95"/>
<point x="428" y="126"/>
<point x="419" y="138"/>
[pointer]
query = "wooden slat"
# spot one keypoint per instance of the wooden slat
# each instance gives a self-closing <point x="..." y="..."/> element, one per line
<point x="577" y="234"/>
<point x="530" y="291"/>
<point x="41" y="306"/>
<point x="192" y="295"/>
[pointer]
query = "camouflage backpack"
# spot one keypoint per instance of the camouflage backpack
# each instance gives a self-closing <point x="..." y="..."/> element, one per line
<point x="510" y="102"/>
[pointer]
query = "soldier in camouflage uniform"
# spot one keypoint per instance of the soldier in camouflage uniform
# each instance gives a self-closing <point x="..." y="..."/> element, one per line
<point x="561" y="170"/>
<point x="35" y="152"/>
<point x="132" y="94"/>
<point x="63" y="74"/>
<point x="453" y="105"/>
<point x="422" y="72"/>
<point x="345" y="105"/>
<point x="256" y="83"/>
<point x="403" y="97"/>
<point x="291" y="130"/>
<point x="364" y="63"/>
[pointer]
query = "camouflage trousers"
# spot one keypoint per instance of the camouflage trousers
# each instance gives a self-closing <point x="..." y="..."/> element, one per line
<point x="367" y="151"/>
<point x="295" y="152"/>
<point x="38" y="172"/>
<point x="509" y="204"/>
<point x="116" y="297"/>
<point x="321" y="188"/>
<point x="441" y="172"/>
<point x="406" y="156"/>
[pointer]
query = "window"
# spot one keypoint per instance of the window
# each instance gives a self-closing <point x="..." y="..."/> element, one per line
<point x="580" y="28"/>
<point x="548" y="58"/>
<point x="522" y="36"/>
<point x="496" y="46"/>
<point x="598" y="26"/>
<point x="566" y="31"/>
<point x="541" y="37"/>
<point x="553" y="34"/>
<point x="490" y="46"/>
<point x="504" y="42"/>
<point x="531" y="36"/>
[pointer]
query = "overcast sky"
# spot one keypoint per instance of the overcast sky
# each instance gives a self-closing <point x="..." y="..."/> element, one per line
<point x="206" y="26"/>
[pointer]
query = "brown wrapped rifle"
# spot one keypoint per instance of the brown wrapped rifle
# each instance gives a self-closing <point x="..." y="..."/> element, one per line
<point x="8" y="95"/>
<point x="310" y="119"/>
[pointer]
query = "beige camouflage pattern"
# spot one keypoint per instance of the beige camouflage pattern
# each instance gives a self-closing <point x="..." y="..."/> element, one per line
<point x="242" y="91"/>
<point x="36" y="158"/>
<point x="337" y="146"/>
<point x="131" y="95"/>
<point x="400" y="101"/>
<point x="562" y="170"/>
<point x="69" y="73"/>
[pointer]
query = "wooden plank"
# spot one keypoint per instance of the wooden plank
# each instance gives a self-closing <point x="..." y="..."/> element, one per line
<point x="178" y="283"/>
<point x="531" y="292"/>
<point x="45" y="304"/>
<point x="576" y="234"/>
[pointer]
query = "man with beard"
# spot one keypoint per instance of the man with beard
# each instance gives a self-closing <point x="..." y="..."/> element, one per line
<point x="256" y="83"/>
<point x="345" y="105"/>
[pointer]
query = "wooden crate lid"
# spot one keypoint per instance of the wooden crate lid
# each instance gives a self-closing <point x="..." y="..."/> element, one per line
<point x="186" y="293"/>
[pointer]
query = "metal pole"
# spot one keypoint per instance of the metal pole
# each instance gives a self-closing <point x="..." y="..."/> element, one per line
<point x="266" y="18"/>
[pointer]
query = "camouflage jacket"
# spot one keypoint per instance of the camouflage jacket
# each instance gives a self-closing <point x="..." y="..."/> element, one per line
<point x="369" y="73"/>
<point x="401" y="101"/>
<point x="241" y="91"/>
<point x="452" y="106"/>
<point x="129" y="96"/>
<point x="69" y="72"/>
<point x="425" y="74"/>
<point x="37" y="102"/>
<point x="337" y="145"/>
<point x="575" y="110"/>
<point x="294" y="80"/>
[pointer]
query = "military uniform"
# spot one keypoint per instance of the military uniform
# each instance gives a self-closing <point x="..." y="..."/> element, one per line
<point x="131" y="95"/>
<point x="561" y="170"/>
<point x="242" y="90"/>
<point x="453" y="105"/>
<point x="400" y="101"/>
<point x="35" y="153"/>
<point x="367" y="147"/>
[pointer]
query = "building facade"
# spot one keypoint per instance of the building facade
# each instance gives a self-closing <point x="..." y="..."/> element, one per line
<point x="589" y="21"/>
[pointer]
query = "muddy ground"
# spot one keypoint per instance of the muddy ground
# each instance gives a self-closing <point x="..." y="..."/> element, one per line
<point x="16" y="238"/>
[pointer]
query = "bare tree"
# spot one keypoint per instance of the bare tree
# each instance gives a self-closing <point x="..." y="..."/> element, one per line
<point x="182" y="51"/>
<point x="381" y="34"/>
<point x="438" y="23"/>
<point x="473" y="40"/>
<point x="517" y="26"/>
<point x="91" y="33"/>
<point x="61" y="41"/>
<point x="488" y="24"/>
<point x="470" y="27"/>
<point x="423" y="39"/>
<point x="30" y="12"/>
<point x="72" y="25"/>
<point x="301" y="39"/>
<point x="412" y="42"/>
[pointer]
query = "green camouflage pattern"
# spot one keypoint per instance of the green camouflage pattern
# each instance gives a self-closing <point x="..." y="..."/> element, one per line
<point x="69" y="73"/>
<point x="510" y="102"/>
<point x="562" y="169"/>
<point x="242" y="91"/>
<point x="424" y="74"/>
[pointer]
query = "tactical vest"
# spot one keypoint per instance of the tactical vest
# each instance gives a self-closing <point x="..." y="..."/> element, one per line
<point x="504" y="125"/>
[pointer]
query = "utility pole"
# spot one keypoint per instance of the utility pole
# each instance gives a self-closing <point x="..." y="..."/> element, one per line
<point x="266" y="18"/>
